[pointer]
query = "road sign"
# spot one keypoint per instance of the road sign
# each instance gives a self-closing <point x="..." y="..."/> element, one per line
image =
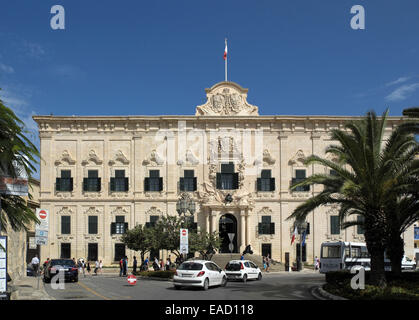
<point x="184" y="249"/>
<point x="43" y="217"/>
<point x="231" y="247"/>
<point x="183" y="237"/>
<point x="3" y="264"/>
<point x="231" y="236"/>
<point x="132" y="280"/>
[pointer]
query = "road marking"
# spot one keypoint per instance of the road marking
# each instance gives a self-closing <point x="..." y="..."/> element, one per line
<point x="92" y="291"/>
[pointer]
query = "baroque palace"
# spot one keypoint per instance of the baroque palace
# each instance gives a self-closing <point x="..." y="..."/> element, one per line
<point x="103" y="174"/>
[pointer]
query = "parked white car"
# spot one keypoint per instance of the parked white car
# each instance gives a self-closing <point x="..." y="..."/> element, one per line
<point x="407" y="263"/>
<point x="242" y="270"/>
<point x="199" y="273"/>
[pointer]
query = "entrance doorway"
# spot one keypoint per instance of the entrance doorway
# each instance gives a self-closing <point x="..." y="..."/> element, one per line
<point x="267" y="249"/>
<point x="228" y="224"/>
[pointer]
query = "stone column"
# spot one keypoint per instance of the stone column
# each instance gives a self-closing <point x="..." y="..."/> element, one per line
<point x="208" y="221"/>
<point x="214" y="218"/>
<point x="247" y="227"/>
<point x="242" y="230"/>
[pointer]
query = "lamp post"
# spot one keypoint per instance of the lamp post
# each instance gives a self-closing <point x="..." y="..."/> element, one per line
<point x="184" y="205"/>
<point x="302" y="227"/>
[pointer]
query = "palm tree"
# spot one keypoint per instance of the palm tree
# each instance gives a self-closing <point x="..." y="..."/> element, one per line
<point x="17" y="153"/>
<point x="363" y="183"/>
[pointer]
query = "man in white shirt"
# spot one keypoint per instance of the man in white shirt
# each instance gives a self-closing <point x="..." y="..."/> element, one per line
<point x="35" y="263"/>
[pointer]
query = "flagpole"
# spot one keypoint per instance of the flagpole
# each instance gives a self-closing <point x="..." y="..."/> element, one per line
<point x="226" y="61"/>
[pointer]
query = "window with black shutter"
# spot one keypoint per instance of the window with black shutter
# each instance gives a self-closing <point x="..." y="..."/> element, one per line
<point x="227" y="179"/>
<point x="65" y="251"/>
<point x="334" y="225"/>
<point x="120" y="225"/>
<point x="188" y="181"/>
<point x="93" y="224"/>
<point x="119" y="251"/>
<point x="92" y="250"/>
<point x="92" y="183"/>
<point x="153" y="220"/>
<point x="360" y="229"/>
<point x="65" y="224"/>
<point x="300" y="176"/>
<point x="266" y="226"/>
<point x="119" y="182"/>
<point x="65" y="183"/>
<point x="266" y="182"/>
<point x="154" y="182"/>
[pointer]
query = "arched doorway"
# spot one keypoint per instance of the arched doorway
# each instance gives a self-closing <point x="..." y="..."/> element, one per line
<point x="228" y="224"/>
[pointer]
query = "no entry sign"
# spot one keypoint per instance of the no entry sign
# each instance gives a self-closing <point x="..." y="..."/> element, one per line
<point x="42" y="214"/>
<point x="132" y="280"/>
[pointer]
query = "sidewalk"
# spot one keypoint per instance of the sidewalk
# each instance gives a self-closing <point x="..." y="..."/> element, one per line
<point x="27" y="289"/>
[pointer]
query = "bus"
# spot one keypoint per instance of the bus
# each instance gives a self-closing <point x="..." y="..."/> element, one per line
<point x="340" y="255"/>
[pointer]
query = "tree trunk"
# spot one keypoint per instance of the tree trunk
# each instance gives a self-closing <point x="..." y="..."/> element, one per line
<point x="375" y="240"/>
<point x="395" y="251"/>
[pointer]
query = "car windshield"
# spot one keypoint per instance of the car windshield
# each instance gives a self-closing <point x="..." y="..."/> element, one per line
<point x="331" y="252"/>
<point x="234" y="266"/>
<point x="190" y="266"/>
<point x="62" y="262"/>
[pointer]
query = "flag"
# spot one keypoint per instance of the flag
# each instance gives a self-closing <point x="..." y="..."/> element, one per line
<point x="225" y="51"/>
<point x="293" y="235"/>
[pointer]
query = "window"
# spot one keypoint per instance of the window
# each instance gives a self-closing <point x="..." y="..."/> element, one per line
<point x="153" y="221"/>
<point x="92" y="224"/>
<point x="188" y="182"/>
<point x="119" y="182"/>
<point x="119" y="226"/>
<point x="334" y="225"/>
<point x="92" y="183"/>
<point x="154" y="182"/>
<point x="227" y="179"/>
<point x="119" y="251"/>
<point x="92" y="252"/>
<point x="266" y="226"/>
<point x="360" y="229"/>
<point x="65" y="224"/>
<point x="65" y="250"/>
<point x="331" y="252"/>
<point x="265" y="182"/>
<point x="300" y="175"/>
<point x="65" y="183"/>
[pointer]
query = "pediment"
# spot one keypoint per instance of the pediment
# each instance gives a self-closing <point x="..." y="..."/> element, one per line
<point x="226" y="98"/>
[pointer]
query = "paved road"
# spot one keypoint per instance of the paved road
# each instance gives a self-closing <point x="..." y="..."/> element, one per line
<point x="293" y="286"/>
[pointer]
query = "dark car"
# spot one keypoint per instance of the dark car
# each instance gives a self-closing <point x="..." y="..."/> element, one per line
<point x="54" y="266"/>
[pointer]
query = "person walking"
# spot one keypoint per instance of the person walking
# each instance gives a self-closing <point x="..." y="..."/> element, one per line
<point x="88" y="268"/>
<point x="268" y="261"/>
<point x="134" y="265"/>
<point x="146" y="264"/>
<point x="100" y="266"/>
<point x="125" y="265"/>
<point x="264" y="263"/>
<point x="168" y="264"/>
<point x="316" y="263"/>
<point x="96" y="267"/>
<point x="35" y="264"/>
<point x="121" y="267"/>
<point x="83" y="266"/>
<point x="161" y="264"/>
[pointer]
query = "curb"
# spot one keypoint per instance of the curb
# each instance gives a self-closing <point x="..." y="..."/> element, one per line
<point x="326" y="295"/>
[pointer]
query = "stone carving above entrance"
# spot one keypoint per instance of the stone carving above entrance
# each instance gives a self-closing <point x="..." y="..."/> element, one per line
<point x="226" y="98"/>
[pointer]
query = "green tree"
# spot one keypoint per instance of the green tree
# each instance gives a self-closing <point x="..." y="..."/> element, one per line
<point x="367" y="181"/>
<point x="168" y="228"/>
<point x="17" y="153"/>
<point x="141" y="239"/>
<point x="205" y="243"/>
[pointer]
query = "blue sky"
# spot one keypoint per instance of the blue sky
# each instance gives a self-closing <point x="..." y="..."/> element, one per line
<point x="157" y="57"/>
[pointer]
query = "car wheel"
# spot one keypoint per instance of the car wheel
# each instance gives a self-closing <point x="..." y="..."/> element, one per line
<point x="260" y="276"/>
<point x="224" y="282"/>
<point x="245" y="278"/>
<point x="178" y="287"/>
<point x="206" y="284"/>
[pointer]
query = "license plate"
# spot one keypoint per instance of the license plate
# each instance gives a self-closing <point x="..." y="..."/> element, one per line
<point x="186" y="275"/>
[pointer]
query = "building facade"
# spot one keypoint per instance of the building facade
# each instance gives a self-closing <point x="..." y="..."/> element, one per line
<point x="102" y="175"/>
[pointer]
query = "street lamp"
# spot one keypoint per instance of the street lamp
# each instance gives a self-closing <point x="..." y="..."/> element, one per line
<point x="184" y="205"/>
<point x="302" y="227"/>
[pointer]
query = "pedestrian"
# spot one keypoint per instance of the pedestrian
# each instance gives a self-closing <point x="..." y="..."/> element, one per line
<point x="44" y="266"/>
<point x="156" y="262"/>
<point x="88" y="268"/>
<point x="168" y="264"/>
<point x="134" y="265"/>
<point x="121" y="267"/>
<point x="125" y="265"/>
<point x="242" y="257"/>
<point x="316" y="263"/>
<point x="83" y="266"/>
<point x="146" y="264"/>
<point x="35" y="264"/>
<point x="264" y="263"/>
<point x="161" y="264"/>
<point x="268" y="261"/>
<point x="100" y="266"/>
<point x="96" y="267"/>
